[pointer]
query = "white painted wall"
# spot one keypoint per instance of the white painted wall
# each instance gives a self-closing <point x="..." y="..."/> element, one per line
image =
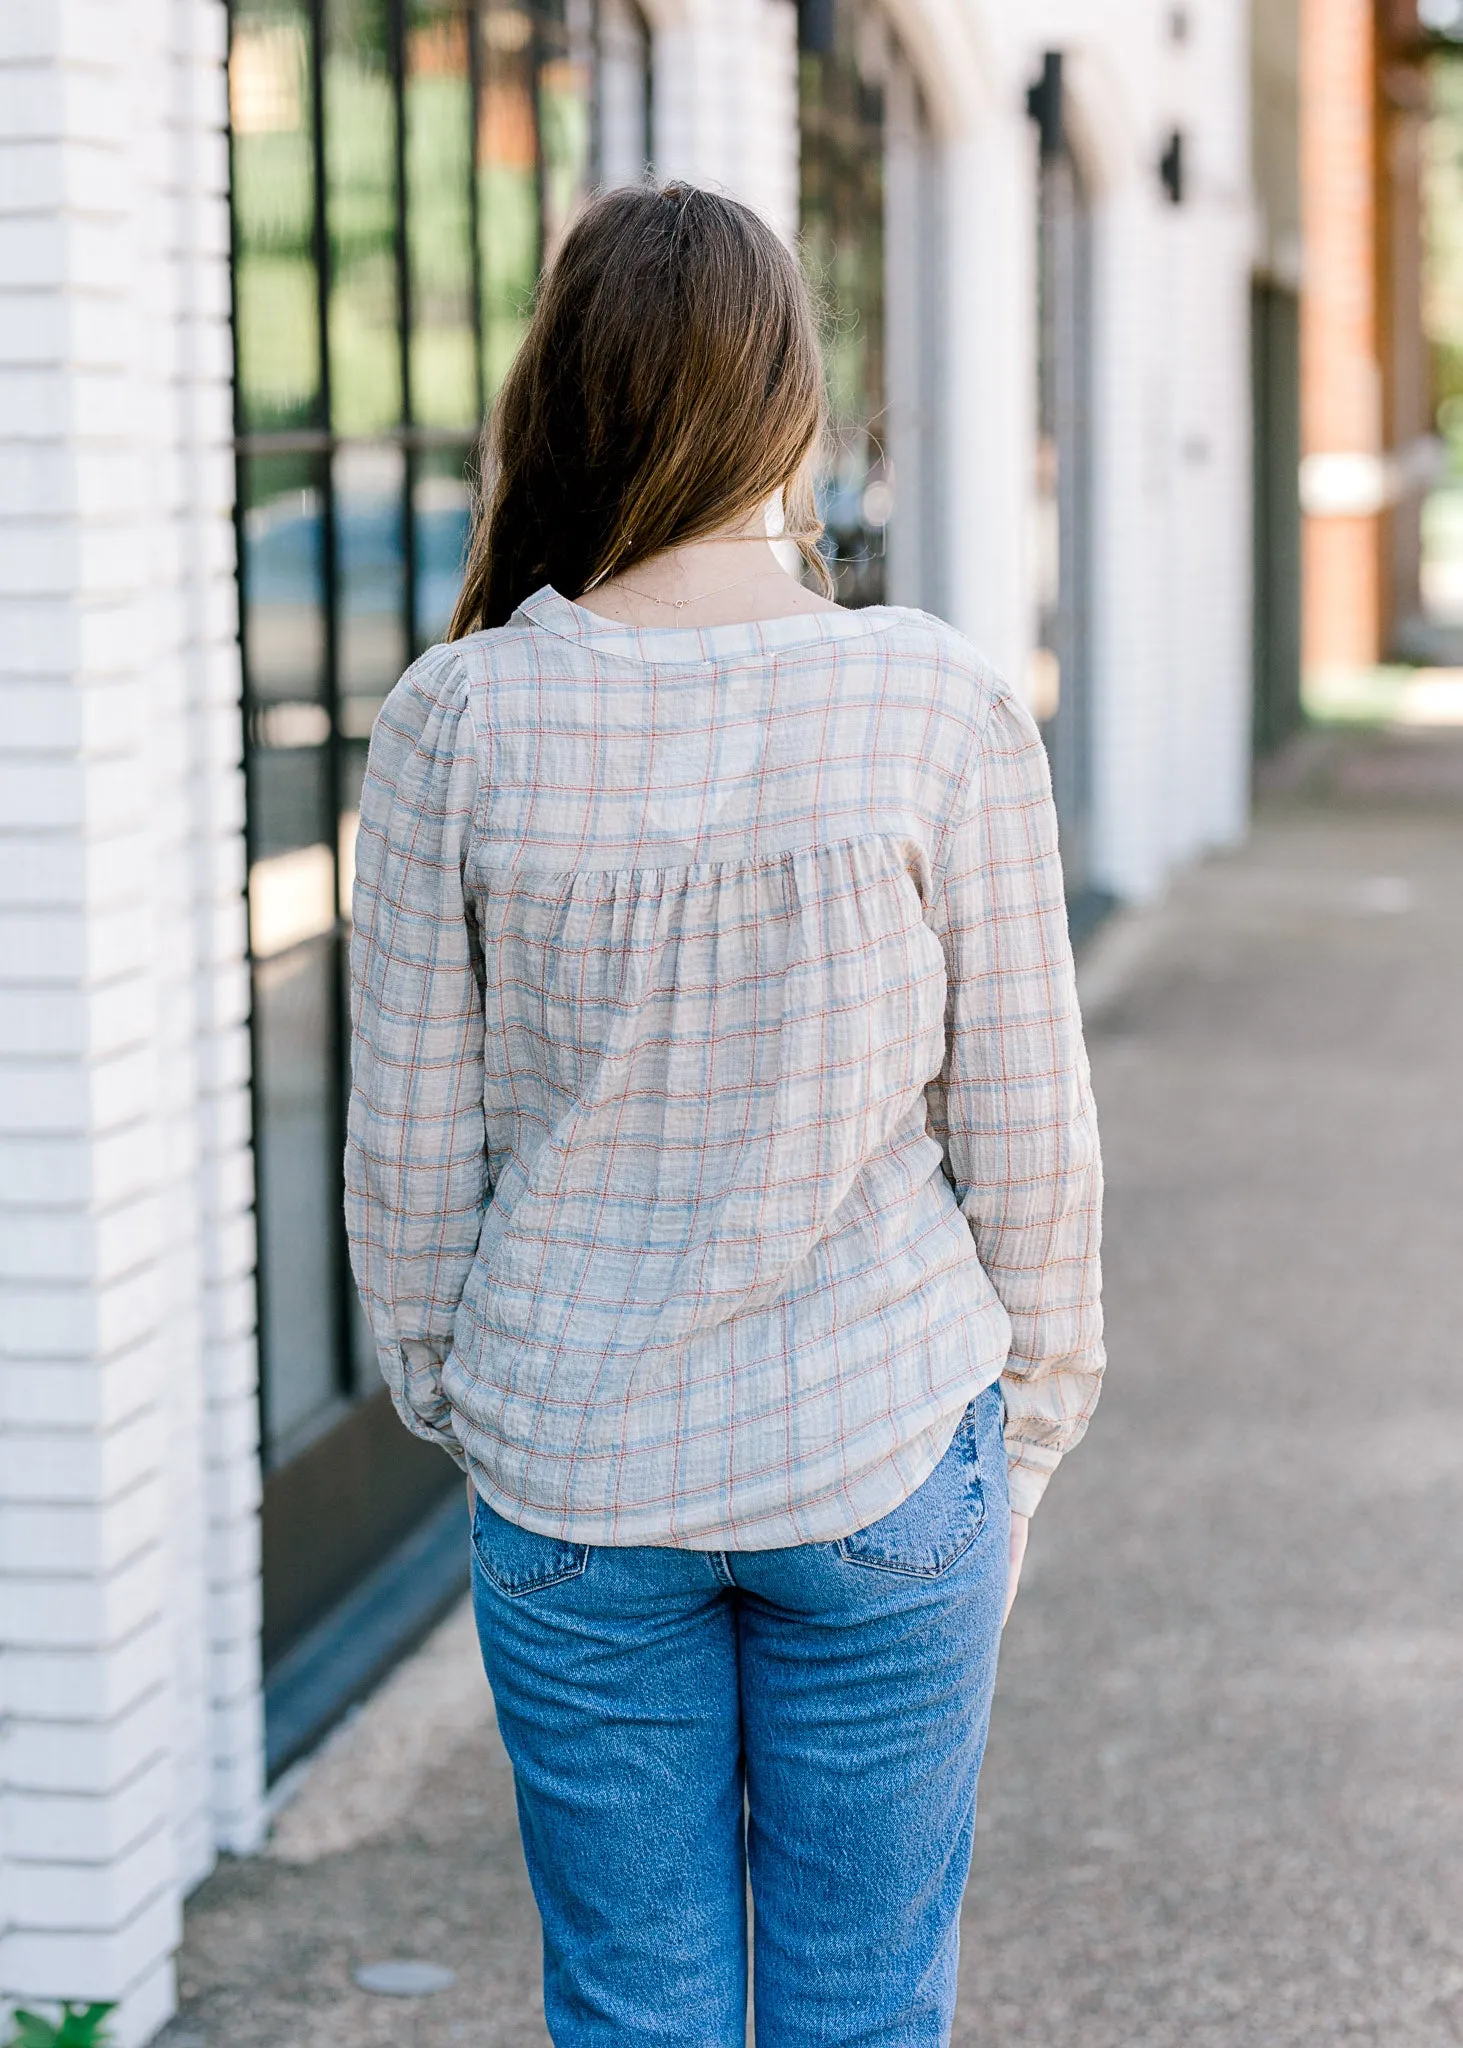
<point x="1171" y="485"/>
<point x="128" y="1470"/>
<point x="725" y="103"/>
<point x="128" y="1465"/>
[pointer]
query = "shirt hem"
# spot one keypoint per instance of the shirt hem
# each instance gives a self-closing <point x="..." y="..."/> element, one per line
<point x="788" y="1527"/>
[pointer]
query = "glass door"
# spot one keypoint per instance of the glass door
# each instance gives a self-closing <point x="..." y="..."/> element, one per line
<point x="400" y="170"/>
<point x="869" y="208"/>
<point x="841" y="113"/>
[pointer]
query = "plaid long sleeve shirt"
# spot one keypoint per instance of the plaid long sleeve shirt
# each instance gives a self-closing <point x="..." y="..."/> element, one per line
<point x="720" y="1121"/>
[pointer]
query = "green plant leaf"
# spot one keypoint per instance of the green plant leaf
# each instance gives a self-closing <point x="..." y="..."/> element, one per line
<point x="80" y="2026"/>
<point x="29" y="2030"/>
<point x="84" y="2026"/>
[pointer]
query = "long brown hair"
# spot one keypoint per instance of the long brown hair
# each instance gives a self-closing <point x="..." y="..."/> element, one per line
<point x="669" y="383"/>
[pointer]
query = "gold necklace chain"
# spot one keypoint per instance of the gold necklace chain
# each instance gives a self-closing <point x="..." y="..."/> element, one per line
<point x="679" y="604"/>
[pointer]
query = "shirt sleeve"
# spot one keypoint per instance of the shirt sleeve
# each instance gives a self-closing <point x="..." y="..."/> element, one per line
<point x="1013" y="1105"/>
<point x="415" y="1167"/>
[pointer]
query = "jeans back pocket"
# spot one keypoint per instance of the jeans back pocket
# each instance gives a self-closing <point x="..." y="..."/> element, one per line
<point x="519" y="1561"/>
<point x="937" y="1524"/>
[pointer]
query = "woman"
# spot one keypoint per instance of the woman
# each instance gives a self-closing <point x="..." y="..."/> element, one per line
<point x="722" y="1179"/>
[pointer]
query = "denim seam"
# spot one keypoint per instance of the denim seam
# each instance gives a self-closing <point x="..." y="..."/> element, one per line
<point x="575" y="1569"/>
<point x="912" y="1571"/>
<point x="966" y="1442"/>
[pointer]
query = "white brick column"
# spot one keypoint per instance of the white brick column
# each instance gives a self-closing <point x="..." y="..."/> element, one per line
<point x="128" y="1465"/>
<point x="987" y="298"/>
<point x="726" y="100"/>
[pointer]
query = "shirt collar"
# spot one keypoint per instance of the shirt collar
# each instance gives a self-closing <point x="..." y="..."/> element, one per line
<point x="547" y="611"/>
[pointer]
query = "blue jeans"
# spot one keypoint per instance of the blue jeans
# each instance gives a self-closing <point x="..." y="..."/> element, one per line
<point x="843" y="1688"/>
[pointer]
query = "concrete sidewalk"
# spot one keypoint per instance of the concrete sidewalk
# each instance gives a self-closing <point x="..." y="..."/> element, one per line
<point x="1224" y="1796"/>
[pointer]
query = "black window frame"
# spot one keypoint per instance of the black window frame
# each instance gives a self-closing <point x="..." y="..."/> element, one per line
<point x="340" y="1460"/>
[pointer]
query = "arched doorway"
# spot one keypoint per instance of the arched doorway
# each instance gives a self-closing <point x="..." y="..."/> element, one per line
<point x="1061" y="678"/>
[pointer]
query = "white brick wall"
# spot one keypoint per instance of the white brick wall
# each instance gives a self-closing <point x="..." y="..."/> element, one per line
<point x="726" y="100"/>
<point x="128" y="1471"/>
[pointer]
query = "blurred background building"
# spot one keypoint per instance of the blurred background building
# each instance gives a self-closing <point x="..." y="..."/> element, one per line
<point x="261" y="270"/>
<point x="1382" y="338"/>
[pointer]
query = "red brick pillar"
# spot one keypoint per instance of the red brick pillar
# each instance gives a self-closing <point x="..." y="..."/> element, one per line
<point x="1341" y="395"/>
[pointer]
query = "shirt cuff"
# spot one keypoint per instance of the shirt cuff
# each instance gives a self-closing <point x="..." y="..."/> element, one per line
<point x="1027" y="1481"/>
<point x="416" y="1392"/>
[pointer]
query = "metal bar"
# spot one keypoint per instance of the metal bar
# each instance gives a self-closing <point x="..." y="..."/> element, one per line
<point x="396" y="33"/>
<point x="312" y="440"/>
<point x="335" y="780"/>
<point x="536" y="65"/>
<point x="245" y="706"/>
<point x="647" y="49"/>
<point x="475" y="86"/>
<point x="596" y="94"/>
<point x="288" y="441"/>
<point x="321" y="440"/>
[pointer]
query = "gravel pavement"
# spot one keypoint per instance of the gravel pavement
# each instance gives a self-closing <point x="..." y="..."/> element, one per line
<point x="1223" y="1804"/>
